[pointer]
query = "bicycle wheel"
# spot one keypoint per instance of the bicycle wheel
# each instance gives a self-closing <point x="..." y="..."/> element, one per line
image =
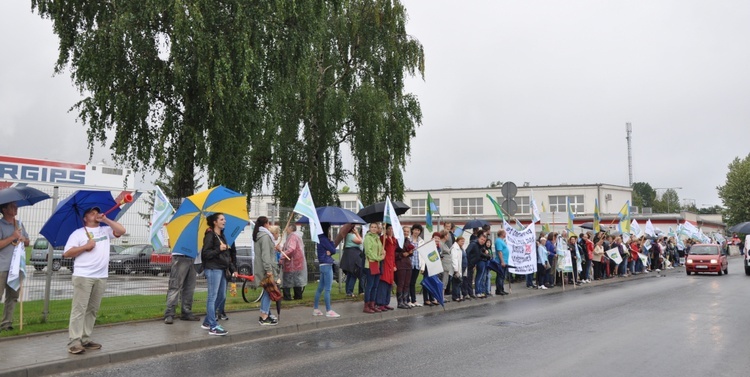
<point x="250" y="292"/>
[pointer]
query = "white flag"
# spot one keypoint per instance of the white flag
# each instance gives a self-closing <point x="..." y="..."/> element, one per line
<point x="635" y="229"/>
<point x="564" y="260"/>
<point x="306" y="207"/>
<point x="535" y="214"/>
<point x="17" y="266"/>
<point x="163" y="210"/>
<point x="614" y="254"/>
<point x="390" y="217"/>
<point x="650" y="228"/>
<point x="429" y="254"/>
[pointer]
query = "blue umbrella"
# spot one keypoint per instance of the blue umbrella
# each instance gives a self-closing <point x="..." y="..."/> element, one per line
<point x="22" y="195"/>
<point x="68" y="215"/>
<point x="433" y="285"/>
<point x="476" y="223"/>
<point x="335" y="216"/>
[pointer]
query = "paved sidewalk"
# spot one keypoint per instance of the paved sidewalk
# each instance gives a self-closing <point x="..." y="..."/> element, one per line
<point x="46" y="353"/>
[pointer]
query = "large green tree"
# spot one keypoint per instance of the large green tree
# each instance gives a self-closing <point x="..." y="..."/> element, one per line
<point x="735" y="193"/>
<point x="255" y="92"/>
<point x="643" y="194"/>
<point x="669" y="202"/>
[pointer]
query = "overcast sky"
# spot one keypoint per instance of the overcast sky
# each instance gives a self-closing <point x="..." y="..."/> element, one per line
<point x="522" y="91"/>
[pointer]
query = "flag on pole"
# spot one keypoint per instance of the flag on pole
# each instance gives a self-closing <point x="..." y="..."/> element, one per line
<point x="306" y="207"/>
<point x="635" y="228"/>
<point x="545" y="229"/>
<point x="428" y="217"/>
<point x="535" y="215"/>
<point x="624" y="216"/>
<point x="570" y="215"/>
<point x="458" y="232"/>
<point x="614" y="254"/>
<point x="498" y="209"/>
<point x="650" y="228"/>
<point x="597" y="216"/>
<point x="17" y="269"/>
<point x="428" y="252"/>
<point x="161" y="213"/>
<point x="519" y="226"/>
<point x="390" y="217"/>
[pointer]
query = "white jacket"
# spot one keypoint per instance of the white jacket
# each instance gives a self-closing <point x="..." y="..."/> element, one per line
<point x="456" y="259"/>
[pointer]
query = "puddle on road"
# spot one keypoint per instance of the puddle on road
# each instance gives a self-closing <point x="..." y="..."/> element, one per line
<point x="325" y="344"/>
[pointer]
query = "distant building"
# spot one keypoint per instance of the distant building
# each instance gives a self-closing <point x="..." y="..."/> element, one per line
<point x="69" y="177"/>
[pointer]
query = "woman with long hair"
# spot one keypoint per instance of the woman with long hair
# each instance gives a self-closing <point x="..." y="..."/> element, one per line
<point x="352" y="260"/>
<point x="387" y="270"/>
<point x="216" y="261"/>
<point x="403" y="271"/>
<point x="374" y="254"/>
<point x="264" y="265"/>
<point x="326" y="249"/>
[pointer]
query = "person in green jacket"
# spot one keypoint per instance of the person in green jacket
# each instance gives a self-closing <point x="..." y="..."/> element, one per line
<point x="264" y="265"/>
<point x="374" y="254"/>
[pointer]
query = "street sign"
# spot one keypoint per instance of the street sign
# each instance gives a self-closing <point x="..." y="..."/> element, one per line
<point x="510" y="206"/>
<point x="509" y="190"/>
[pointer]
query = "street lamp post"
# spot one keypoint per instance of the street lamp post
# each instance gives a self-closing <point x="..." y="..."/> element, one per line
<point x="667" y="188"/>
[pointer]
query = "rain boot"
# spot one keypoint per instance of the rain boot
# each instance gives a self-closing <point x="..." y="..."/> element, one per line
<point x="374" y="307"/>
<point x="367" y="308"/>
<point x="402" y="302"/>
<point x="298" y="293"/>
<point x="287" y="295"/>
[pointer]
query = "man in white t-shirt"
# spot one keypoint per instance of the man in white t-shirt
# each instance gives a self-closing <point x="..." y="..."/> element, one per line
<point x="89" y="246"/>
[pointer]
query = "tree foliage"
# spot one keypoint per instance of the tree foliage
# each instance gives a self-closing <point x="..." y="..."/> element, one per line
<point x="735" y="193"/>
<point x="252" y="92"/>
<point x="643" y="194"/>
<point x="669" y="202"/>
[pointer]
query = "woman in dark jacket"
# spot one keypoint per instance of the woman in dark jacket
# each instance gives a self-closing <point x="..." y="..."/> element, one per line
<point x="403" y="271"/>
<point x="216" y="260"/>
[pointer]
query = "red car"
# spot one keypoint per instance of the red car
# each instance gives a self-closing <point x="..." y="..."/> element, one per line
<point x="706" y="258"/>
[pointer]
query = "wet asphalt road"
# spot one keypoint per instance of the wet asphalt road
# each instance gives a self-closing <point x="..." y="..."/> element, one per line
<point x="659" y="326"/>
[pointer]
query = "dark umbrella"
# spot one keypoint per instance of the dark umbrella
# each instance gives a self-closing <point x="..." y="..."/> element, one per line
<point x="476" y="223"/>
<point x="68" y="215"/>
<point x="23" y="196"/>
<point x="435" y="286"/>
<point x="590" y="225"/>
<point x="335" y="216"/>
<point x="374" y="213"/>
<point x="743" y="228"/>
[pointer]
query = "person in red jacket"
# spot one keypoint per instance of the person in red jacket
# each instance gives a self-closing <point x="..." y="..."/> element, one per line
<point x="388" y="270"/>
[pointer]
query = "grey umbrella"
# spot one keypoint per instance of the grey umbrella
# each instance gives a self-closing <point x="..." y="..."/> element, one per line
<point x="743" y="228"/>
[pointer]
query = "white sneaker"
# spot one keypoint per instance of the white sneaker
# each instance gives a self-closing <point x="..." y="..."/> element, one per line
<point x="317" y="312"/>
<point x="411" y="304"/>
<point x="332" y="314"/>
<point x="658" y="270"/>
<point x="417" y="304"/>
<point x="542" y="287"/>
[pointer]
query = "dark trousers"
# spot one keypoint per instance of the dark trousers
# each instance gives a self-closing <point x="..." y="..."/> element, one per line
<point x="403" y="278"/>
<point x="384" y="293"/>
<point x="598" y="270"/>
<point x="371" y="286"/>
<point x="413" y="285"/>
<point x="540" y="274"/>
<point x="351" y="280"/>
<point x="456" y="288"/>
<point x="468" y="280"/>
<point x="500" y="280"/>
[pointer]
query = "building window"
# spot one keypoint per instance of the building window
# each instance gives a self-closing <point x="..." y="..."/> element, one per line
<point x="523" y="204"/>
<point x="112" y="171"/>
<point x="557" y="203"/>
<point x="419" y="206"/>
<point x="468" y="206"/>
<point x="272" y="209"/>
<point x="350" y="205"/>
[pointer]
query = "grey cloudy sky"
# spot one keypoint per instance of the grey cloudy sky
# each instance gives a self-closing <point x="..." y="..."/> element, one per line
<point x="523" y="91"/>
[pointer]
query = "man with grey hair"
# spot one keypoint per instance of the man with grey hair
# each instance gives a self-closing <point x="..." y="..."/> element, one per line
<point x="11" y="233"/>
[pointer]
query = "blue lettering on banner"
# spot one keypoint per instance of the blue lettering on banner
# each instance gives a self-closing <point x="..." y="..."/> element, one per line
<point x="42" y="174"/>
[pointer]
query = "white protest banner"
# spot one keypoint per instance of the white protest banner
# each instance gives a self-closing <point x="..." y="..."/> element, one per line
<point x="522" y="245"/>
<point x="614" y="254"/>
<point x="564" y="260"/>
<point x="429" y="254"/>
<point x="650" y="230"/>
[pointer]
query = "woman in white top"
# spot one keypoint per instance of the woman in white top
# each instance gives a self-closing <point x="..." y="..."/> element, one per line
<point x="457" y="255"/>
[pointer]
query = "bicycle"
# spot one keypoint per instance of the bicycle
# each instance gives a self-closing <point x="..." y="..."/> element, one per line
<point x="250" y="291"/>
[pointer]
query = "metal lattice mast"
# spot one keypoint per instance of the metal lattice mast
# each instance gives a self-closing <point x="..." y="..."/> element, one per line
<point x="629" y="131"/>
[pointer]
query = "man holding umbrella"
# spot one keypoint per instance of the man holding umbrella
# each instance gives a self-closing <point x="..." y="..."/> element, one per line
<point x="89" y="246"/>
<point x="10" y="235"/>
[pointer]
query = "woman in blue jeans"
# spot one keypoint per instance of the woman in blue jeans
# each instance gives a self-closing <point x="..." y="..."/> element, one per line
<point x="265" y="265"/>
<point x="325" y="250"/>
<point x="374" y="254"/>
<point x="216" y="260"/>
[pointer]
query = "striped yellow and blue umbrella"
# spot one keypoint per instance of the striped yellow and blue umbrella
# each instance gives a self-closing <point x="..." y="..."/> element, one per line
<point x="188" y="225"/>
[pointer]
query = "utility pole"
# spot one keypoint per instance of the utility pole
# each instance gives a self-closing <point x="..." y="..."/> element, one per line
<point x="628" y="132"/>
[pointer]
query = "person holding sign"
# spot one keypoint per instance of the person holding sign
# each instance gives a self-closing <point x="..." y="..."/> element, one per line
<point x="502" y="254"/>
<point x="10" y="235"/>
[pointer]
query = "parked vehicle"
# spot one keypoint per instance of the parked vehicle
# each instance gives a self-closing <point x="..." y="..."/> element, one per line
<point x="707" y="258"/>
<point x="114" y="249"/>
<point x="133" y="258"/>
<point x="245" y="260"/>
<point x="161" y="261"/>
<point x="39" y="255"/>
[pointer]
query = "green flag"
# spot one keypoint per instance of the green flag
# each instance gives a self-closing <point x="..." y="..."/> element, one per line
<point x="498" y="210"/>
